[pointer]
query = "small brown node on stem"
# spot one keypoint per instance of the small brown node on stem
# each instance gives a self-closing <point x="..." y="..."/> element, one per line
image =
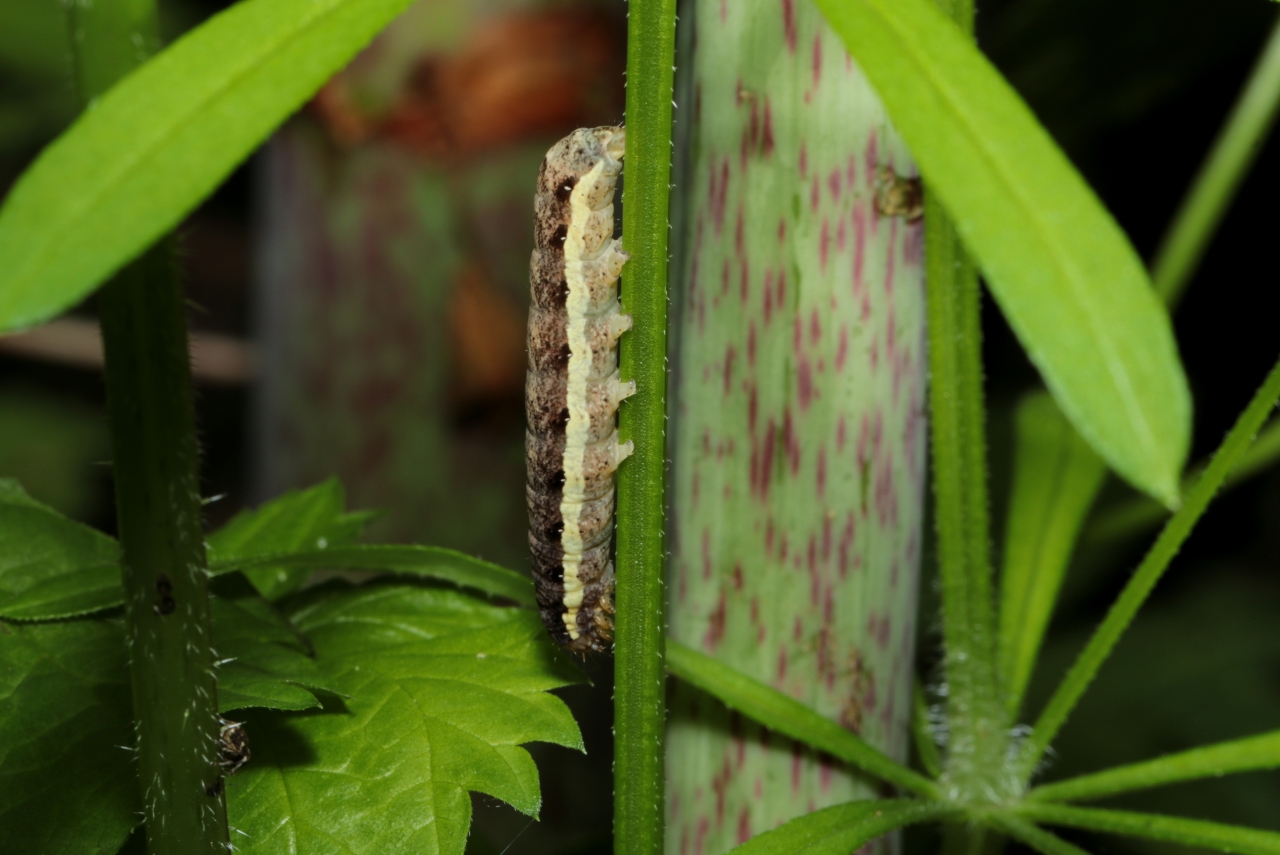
<point x="898" y="196"/>
<point x="166" y="604"/>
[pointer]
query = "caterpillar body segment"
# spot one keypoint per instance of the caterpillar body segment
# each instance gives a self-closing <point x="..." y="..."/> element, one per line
<point x="573" y="388"/>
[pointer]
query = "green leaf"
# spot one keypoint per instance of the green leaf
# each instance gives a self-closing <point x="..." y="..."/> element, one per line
<point x="1035" y="837"/>
<point x="1211" y="761"/>
<point x="298" y="521"/>
<point x="1139" y="513"/>
<point x="443" y="690"/>
<point x="841" y="829"/>
<point x="1056" y="477"/>
<point x="162" y="140"/>
<point x="1188" y="832"/>
<point x="262" y="660"/>
<point x="428" y="562"/>
<point x="1065" y="276"/>
<point x="50" y="566"/>
<point x="67" y="781"/>
<point x="788" y="716"/>
<point x="1144" y="579"/>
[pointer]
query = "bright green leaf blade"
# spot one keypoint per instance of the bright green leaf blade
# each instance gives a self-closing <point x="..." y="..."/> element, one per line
<point x="68" y="785"/>
<point x="1188" y="832"/>
<point x="1056" y="477"/>
<point x="1144" y="579"/>
<point x="162" y="140"/>
<point x="301" y="520"/>
<point x="786" y="715"/>
<point x="432" y="562"/>
<point x="1034" y="836"/>
<point x="1133" y="516"/>
<point x="1211" y="761"/>
<point x="94" y="588"/>
<point x="51" y="566"/>
<point x="1067" y="279"/>
<point x="842" y="829"/>
<point x="443" y="688"/>
<point x="262" y="661"/>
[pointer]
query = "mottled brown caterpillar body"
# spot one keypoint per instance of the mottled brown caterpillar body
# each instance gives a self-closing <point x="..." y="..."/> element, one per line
<point x="573" y="389"/>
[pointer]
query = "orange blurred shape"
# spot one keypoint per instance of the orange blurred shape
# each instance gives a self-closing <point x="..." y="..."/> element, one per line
<point x="522" y="75"/>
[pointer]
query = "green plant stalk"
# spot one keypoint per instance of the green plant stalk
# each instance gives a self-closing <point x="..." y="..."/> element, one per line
<point x="922" y="732"/>
<point x="1086" y="666"/>
<point x="166" y="582"/>
<point x="1233" y="152"/>
<point x="976" y="744"/>
<point x="799" y="432"/>
<point x="639" y="687"/>
<point x="158" y="509"/>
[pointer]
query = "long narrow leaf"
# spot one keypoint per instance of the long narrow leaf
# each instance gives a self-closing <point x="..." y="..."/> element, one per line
<point x="841" y="829"/>
<point x="1037" y="838"/>
<point x="1067" y="279"/>
<point x="162" y="140"/>
<point x="922" y="731"/>
<point x="1211" y="761"/>
<point x="1188" y="832"/>
<point x="1149" y="572"/>
<point x="1223" y="170"/>
<point x="1056" y="477"/>
<point x="1140" y="513"/>
<point x="786" y="715"/>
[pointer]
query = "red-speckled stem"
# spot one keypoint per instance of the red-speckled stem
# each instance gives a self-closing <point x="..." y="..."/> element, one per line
<point x="799" y="429"/>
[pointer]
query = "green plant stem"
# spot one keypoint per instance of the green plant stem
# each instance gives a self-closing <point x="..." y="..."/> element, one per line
<point x="959" y="465"/>
<point x="1135" y="593"/>
<point x="166" y="583"/>
<point x="1220" y="175"/>
<point x="1137" y="514"/>
<point x="158" y="510"/>
<point x="960" y="486"/>
<point x="922" y="731"/>
<point x="639" y="688"/>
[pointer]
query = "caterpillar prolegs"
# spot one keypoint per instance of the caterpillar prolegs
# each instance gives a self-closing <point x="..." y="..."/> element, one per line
<point x="572" y="390"/>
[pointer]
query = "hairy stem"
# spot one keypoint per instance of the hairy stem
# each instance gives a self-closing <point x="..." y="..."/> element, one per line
<point x="155" y="456"/>
<point x="639" y="699"/>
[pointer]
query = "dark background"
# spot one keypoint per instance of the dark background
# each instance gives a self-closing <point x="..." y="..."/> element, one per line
<point x="1135" y="92"/>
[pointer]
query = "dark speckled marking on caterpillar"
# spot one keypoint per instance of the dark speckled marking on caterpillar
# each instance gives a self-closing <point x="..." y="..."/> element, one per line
<point x="573" y="389"/>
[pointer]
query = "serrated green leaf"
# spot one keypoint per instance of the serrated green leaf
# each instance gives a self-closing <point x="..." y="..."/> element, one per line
<point x="162" y="140"/>
<point x="428" y="562"/>
<point x="50" y="566"/>
<point x="842" y="829"/>
<point x="67" y="783"/>
<point x="262" y="660"/>
<point x="1056" y="477"/>
<point x="298" y="521"/>
<point x="443" y="688"/>
<point x="1172" y="829"/>
<point x="1065" y="276"/>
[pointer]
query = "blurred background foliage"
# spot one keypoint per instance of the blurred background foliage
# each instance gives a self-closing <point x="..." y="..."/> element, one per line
<point x="453" y="106"/>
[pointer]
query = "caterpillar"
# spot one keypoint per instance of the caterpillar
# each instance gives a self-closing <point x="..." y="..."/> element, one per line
<point x="572" y="389"/>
